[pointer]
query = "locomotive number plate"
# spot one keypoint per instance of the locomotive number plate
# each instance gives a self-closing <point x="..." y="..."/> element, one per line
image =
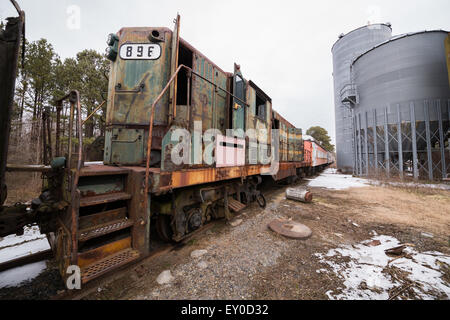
<point x="140" y="51"/>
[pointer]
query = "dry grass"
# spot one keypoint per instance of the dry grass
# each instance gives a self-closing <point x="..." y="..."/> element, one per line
<point x="24" y="148"/>
<point x="428" y="210"/>
<point x="22" y="187"/>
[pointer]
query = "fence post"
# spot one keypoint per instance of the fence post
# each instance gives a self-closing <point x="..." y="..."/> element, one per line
<point x="399" y="142"/>
<point x="428" y="137"/>
<point x="414" y="140"/>
<point x="386" y="143"/>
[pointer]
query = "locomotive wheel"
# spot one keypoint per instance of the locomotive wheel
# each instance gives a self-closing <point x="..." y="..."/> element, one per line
<point x="261" y="200"/>
<point x="163" y="228"/>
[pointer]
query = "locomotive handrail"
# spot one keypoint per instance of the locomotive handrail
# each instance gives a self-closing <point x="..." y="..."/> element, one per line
<point x="150" y="131"/>
<point x="215" y="85"/>
<point x="74" y="98"/>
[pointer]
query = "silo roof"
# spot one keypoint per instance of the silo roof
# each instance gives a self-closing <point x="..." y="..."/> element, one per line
<point x="375" y="24"/>
<point x="394" y="38"/>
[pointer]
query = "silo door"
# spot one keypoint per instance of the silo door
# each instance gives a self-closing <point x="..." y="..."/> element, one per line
<point x="238" y="106"/>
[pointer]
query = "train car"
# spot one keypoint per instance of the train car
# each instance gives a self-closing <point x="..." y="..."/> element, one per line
<point x="290" y="152"/>
<point x="308" y="150"/>
<point x="316" y="156"/>
<point x="283" y="126"/>
<point x="290" y="139"/>
<point x="185" y="143"/>
<point x="320" y="155"/>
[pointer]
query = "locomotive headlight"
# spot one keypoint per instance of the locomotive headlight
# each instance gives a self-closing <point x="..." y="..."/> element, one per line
<point x="112" y="38"/>
<point x="113" y="44"/>
<point x="111" y="53"/>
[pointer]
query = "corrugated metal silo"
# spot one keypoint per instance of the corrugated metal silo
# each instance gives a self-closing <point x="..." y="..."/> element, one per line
<point x="403" y="113"/>
<point x="344" y="51"/>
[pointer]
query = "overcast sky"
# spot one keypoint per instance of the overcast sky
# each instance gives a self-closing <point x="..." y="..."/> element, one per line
<point x="283" y="46"/>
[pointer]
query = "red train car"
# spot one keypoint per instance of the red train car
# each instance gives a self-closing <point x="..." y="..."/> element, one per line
<point x="316" y="156"/>
<point x="307" y="145"/>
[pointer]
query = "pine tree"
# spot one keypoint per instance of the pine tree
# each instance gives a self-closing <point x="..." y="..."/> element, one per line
<point x="321" y="135"/>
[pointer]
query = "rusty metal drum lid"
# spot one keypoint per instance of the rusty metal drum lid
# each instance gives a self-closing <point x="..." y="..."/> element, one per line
<point x="290" y="229"/>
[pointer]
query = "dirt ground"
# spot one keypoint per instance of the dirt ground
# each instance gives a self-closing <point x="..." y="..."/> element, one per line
<point x="249" y="261"/>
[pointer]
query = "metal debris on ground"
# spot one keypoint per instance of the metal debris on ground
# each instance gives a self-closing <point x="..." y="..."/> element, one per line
<point x="427" y="235"/>
<point x="290" y="229"/>
<point x="301" y="195"/>
<point x="395" y="251"/>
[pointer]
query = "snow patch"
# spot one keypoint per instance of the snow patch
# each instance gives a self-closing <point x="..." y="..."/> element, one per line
<point x="13" y="247"/>
<point x="32" y="241"/>
<point x="23" y="250"/>
<point x="29" y="234"/>
<point x="361" y="268"/>
<point x="16" y="276"/>
<point x="331" y="179"/>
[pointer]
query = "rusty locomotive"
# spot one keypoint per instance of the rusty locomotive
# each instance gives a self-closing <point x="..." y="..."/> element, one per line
<point x="165" y="99"/>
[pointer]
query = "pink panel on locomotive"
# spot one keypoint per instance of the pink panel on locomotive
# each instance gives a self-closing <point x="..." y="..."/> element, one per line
<point x="230" y="152"/>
